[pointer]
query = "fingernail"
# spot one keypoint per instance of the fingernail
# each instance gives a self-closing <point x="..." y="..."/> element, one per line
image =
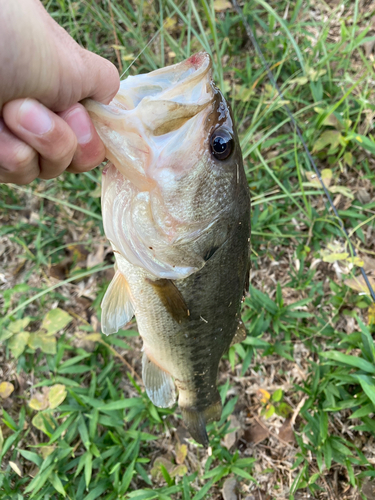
<point x="80" y="123"/>
<point x="34" y="117"/>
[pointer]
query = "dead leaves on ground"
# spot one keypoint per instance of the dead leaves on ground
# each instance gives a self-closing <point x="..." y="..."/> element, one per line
<point x="18" y="337"/>
<point x="49" y="398"/>
<point x="6" y="389"/>
<point x="164" y="467"/>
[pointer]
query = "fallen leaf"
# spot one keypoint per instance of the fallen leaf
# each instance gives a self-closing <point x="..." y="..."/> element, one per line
<point x="220" y="5"/>
<point x="286" y="433"/>
<point x="358" y="284"/>
<point x="363" y="196"/>
<point x="18" y="342"/>
<point x="229" y="489"/>
<point x="45" y="451"/>
<point x="38" y="421"/>
<point x="93" y="337"/>
<point x="156" y="472"/>
<point x="19" y="325"/>
<point x="181" y="452"/>
<point x="46" y="343"/>
<point x="300" y="80"/>
<point x="78" y="252"/>
<point x="326" y="175"/>
<point x="333" y="257"/>
<point x="368" y="264"/>
<point x="59" y="271"/>
<point x="98" y="190"/>
<point x="40" y="400"/>
<point x="231" y="438"/>
<point x="169" y="23"/>
<point x="330" y="138"/>
<point x="55" y="320"/>
<point x="348" y="158"/>
<point x="6" y="389"/>
<point x="342" y="190"/>
<point x="178" y="470"/>
<point x="56" y="395"/>
<point x="255" y="433"/>
<point x="16" y="468"/>
<point x="264" y="396"/>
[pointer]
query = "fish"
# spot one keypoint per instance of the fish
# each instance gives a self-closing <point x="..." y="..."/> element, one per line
<point x="176" y="211"/>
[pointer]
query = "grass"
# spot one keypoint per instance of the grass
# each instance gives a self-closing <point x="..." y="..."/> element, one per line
<point x="75" y="420"/>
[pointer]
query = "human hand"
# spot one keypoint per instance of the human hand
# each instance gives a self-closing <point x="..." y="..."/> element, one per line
<point x="44" y="74"/>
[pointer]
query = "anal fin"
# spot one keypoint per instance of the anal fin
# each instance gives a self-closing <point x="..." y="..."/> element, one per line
<point x="159" y="384"/>
<point x="117" y="309"/>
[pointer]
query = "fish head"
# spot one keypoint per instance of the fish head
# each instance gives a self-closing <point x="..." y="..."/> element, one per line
<point x="171" y="136"/>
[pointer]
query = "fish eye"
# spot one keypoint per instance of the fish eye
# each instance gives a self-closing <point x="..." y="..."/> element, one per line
<point x="222" y="144"/>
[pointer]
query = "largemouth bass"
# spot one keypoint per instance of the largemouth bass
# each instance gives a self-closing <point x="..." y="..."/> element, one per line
<point x="176" y="210"/>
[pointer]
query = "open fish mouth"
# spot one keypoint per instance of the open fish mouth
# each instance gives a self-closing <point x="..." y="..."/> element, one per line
<point x="152" y="115"/>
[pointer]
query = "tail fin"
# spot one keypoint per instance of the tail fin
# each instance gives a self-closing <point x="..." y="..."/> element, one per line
<point x="196" y="421"/>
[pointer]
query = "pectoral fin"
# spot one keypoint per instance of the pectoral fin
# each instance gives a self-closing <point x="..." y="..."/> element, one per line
<point x="159" y="384"/>
<point x="171" y="298"/>
<point x="117" y="309"/>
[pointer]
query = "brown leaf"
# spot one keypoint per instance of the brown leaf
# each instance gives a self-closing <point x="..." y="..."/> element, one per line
<point x="78" y="253"/>
<point x="368" y="264"/>
<point x="363" y="196"/>
<point x="231" y="438"/>
<point x="6" y="389"/>
<point x="286" y="433"/>
<point x="255" y="434"/>
<point x="59" y="271"/>
<point x="229" y="489"/>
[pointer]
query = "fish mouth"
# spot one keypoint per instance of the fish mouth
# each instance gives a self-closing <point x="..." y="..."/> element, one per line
<point x="185" y="83"/>
<point x="151" y="112"/>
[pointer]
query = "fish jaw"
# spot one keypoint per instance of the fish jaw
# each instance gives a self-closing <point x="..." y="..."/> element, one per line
<point x="151" y="112"/>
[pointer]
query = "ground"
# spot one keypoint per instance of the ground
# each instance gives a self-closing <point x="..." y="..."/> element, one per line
<point x="299" y="392"/>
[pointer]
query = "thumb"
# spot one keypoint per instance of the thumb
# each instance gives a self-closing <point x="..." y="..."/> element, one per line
<point x="100" y="77"/>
